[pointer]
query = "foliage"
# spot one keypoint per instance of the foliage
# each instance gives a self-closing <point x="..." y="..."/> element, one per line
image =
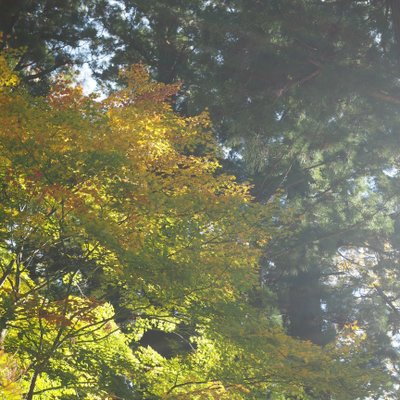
<point x="304" y="95"/>
<point x="9" y="374"/>
<point x="116" y="222"/>
<point x="46" y="34"/>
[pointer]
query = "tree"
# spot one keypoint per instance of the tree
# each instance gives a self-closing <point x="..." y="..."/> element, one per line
<point x="305" y="94"/>
<point x="117" y="211"/>
<point x="52" y="36"/>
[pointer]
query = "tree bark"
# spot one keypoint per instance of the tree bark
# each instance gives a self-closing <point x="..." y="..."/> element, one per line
<point x="31" y="391"/>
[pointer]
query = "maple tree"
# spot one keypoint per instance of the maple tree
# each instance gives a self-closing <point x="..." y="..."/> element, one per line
<point x="116" y="222"/>
<point x="308" y="107"/>
<point x="304" y="95"/>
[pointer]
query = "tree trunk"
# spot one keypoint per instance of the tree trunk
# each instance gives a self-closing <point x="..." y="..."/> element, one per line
<point x="31" y="392"/>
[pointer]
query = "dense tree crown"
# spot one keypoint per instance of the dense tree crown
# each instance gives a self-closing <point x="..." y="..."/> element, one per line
<point x="116" y="225"/>
<point x="136" y="260"/>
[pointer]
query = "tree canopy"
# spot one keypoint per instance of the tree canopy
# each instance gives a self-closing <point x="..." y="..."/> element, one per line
<point x="129" y="227"/>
